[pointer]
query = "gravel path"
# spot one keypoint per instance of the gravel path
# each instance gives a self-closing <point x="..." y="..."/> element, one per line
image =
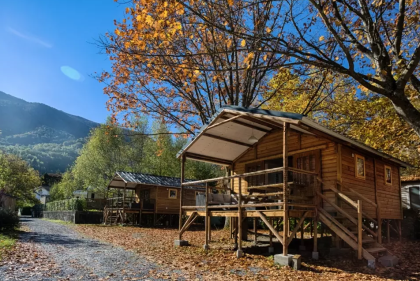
<point x="73" y="257"/>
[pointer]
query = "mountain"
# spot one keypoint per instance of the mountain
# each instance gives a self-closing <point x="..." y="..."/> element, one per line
<point x="48" y="138"/>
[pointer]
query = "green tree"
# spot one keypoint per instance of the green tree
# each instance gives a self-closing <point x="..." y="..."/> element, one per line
<point x="17" y="178"/>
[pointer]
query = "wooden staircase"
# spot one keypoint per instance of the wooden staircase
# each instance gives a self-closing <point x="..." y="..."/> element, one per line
<point x="112" y="216"/>
<point x="352" y="230"/>
<point x="369" y="246"/>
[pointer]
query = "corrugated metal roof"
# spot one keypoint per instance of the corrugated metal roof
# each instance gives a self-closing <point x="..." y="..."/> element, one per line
<point x="139" y="178"/>
<point x="227" y="151"/>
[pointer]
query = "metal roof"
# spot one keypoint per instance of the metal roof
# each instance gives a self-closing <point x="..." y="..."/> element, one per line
<point x="133" y="179"/>
<point x="224" y="143"/>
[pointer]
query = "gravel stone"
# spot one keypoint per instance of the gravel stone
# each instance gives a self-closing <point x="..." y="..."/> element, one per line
<point x="81" y="258"/>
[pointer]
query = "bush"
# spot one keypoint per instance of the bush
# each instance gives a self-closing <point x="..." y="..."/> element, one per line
<point x="72" y="204"/>
<point x="9" y="220"/>
<point x="26" y="211"/>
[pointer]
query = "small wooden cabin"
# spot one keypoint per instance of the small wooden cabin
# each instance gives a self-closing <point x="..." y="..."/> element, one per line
<point x="146" y="199"/>
<point x="7" y="201"/>
<point x="283" y="165"/>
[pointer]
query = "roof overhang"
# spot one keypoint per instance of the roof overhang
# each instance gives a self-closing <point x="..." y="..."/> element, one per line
<point x="226" y="137"/>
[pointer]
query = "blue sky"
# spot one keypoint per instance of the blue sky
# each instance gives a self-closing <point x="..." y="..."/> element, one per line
<point x="48" y="55"/>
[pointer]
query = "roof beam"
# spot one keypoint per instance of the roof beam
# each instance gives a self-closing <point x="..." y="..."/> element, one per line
<point x="263" y="116"/>
<point x="247" y="125"/>
<point x="208" y="159"/>
<point x="223" y="122"/>
<point x="226" y="139"/>
<point x="267" y="123"/>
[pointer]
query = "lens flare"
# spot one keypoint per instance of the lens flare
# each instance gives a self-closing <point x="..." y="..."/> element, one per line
<point x="71" y="73"/>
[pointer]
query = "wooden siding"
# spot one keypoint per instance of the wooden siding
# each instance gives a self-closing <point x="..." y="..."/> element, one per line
<point x="272" y="144"/>
<point x="365" y="187"/>
<point x="334" y="168"/>
<point x="165" y="205"/>
<point x="389" y="196"/>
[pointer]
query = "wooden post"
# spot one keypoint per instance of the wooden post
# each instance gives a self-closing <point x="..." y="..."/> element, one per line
<point x="239" y="252"/>
<point x="271" y="234"/>
<point x="359" y="230"/>
<point x="180" y="194"/>
<point x="235" y="234"/>
<point x="315" y="227"/>
<point x="399" y="230"/>
<point x="255" y="230"/>
<point x="230" y="227"/>
<point x="285" y="189"/>
<point x="388" y="232"/>
<point x="378" y="209"/>
<point x="339" y="187"/>
<point x="302" y="231"/>
<point x="206" y="219"/>
<point x="155" y="210"/>
<point x="123" y="203"/>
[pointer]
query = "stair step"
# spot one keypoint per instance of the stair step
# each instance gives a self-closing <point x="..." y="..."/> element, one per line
<point x="376" y="250"/>
<point x="368" y="240"/>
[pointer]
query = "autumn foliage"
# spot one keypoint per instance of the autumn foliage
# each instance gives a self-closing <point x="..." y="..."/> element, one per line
<point x="168" y="62"/>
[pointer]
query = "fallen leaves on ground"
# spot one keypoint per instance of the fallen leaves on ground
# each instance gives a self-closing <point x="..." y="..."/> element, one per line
<point x="220" y="263"/>
<point x="25" y="260"/>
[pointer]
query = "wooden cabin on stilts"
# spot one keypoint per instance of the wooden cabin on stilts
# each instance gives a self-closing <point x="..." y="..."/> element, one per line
<point x="285" y="167"/>
<point x="143" y="199"/>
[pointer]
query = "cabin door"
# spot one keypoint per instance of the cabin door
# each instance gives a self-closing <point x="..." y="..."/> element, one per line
<point x="308" y="161"/>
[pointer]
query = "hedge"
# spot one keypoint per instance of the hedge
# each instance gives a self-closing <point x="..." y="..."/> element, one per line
<point x="9" y="220"/>
<point x="72" y="204"/>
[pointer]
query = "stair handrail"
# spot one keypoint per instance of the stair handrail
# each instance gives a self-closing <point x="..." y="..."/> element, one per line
<point x="345" y="197"/>
<point x="358" y="195"/>
<point x="359" y="221"/>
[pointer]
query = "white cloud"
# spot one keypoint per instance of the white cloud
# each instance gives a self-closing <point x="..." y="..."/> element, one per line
<point x="29" y="38"/>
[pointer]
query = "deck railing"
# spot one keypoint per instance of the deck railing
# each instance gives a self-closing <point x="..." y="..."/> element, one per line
<point x="242" y="200"/>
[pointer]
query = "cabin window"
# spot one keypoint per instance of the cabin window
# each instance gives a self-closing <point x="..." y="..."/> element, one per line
<point x="92" y="196"/>
<point x="360" y="167"/>
<point x="172" y="193"/>
<point x="388" y="175"/>
<point x="255" y="180"/>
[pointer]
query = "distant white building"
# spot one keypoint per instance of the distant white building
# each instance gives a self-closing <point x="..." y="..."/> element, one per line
<point x="42" y="193"/>
<point x="410" y="192"/>
<point x="89" y="193"/>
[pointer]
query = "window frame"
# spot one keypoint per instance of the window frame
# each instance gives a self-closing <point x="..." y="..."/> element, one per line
<point x="357" y="156"/>
<point x="385" y="179"/>
<point x="169" y="193"/>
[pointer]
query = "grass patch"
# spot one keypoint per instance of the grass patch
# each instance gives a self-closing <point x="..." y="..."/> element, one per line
<point x="58" y="221"/>
<point x="7" y="242"/>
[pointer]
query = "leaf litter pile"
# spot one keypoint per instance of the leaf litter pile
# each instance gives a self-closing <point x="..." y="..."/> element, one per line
<point x="219" y="263"/>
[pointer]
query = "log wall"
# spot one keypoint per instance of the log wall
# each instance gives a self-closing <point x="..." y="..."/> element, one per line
<point x="164" y="204"/>
<point x="337" y="164"/>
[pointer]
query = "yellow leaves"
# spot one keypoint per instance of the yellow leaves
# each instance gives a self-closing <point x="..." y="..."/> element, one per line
<point x="230" y="2"/>
<point x="400" y="62"/>
<point x="265" y="57"/>
<point x="164" y="14"/>
<point x="268" y="30"/>
<point x="243" y="43"/>
<point x="321" y="38"/>
<point x="149" y="20"/>
<point x="117" y="32"/>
